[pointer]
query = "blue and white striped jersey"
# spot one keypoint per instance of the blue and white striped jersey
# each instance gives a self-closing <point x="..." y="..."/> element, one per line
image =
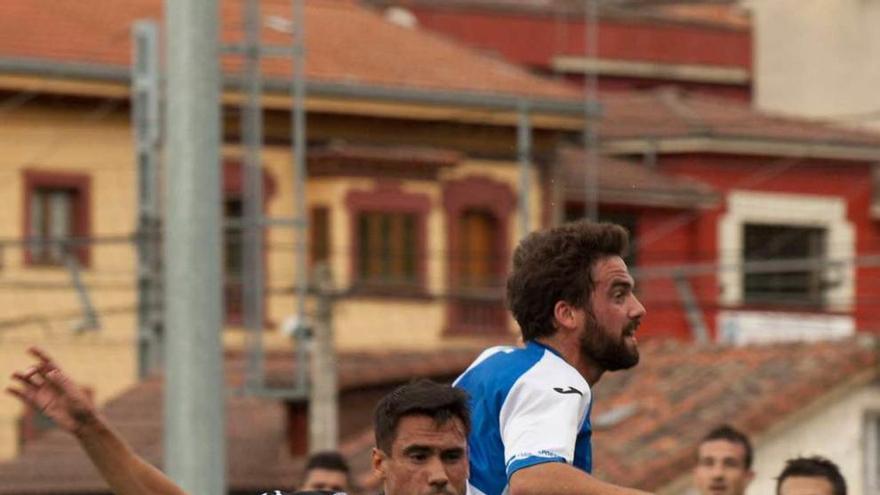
<point x="528" y="406"/>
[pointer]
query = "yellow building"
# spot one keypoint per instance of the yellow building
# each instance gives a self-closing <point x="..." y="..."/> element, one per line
<point x="412" y="193"/>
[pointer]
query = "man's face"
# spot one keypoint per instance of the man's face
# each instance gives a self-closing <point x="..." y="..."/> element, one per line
<point x="721" y="468"/>
<point x="425" y="459"/>
<point x="609" y="338"/>
<point x="325" y="479"/>
<point x="806" y="485"/>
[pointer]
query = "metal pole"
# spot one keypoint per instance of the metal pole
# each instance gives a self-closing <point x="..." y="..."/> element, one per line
<point x="299" y="186"/>
<point x="524" y="152"/>
<point x="699" y="330"/>
<point x="194" y="404"/>
<point x="323" y="403"/>
<point x="591" y="96"/>
<point x="145" y="118"/>
<point x="252" y="228"/>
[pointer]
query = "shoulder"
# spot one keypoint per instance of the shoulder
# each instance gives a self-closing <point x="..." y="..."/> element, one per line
<point x="498" y="367"/>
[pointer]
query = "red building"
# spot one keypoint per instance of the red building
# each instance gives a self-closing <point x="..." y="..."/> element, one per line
<point x="704" y="48"/>
<point x="789" y="249"/>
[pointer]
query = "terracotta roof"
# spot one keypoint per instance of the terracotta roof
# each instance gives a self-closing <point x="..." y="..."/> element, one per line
<point x="345" y="43"/>
<point x="722" y="14"/>
<point x="649" y="420"/>
<point x="362" y="369"/>
<point x="257" y="452"/>
<point x="624" y="182"/>
<point x="669" y="113"/>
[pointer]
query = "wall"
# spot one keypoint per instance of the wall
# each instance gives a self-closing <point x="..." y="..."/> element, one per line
<point x="816" y="58"/>
<point x="810" y="436"/>
<point x="56" y="137"/>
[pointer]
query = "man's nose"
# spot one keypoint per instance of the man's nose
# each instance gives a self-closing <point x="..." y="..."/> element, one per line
<point x="638" y="309"/>
<point x="437" y="473"/>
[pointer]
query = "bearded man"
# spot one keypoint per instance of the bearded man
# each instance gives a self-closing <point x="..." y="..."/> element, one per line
<point x="572" y="295"/>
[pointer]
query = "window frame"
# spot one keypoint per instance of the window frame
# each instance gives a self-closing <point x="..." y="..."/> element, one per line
<point x="810" y="210"/>
<point x="80" y="184"/>
<point x="388" y="197"/>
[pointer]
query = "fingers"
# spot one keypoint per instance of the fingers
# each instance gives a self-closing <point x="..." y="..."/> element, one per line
<point x="42" y="356"/>
<point x="16" y="393"/>
<point x="31" y="377"/>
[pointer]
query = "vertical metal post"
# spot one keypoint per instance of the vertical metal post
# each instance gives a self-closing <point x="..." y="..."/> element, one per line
<point x="194" y="399"/>
<point x="524" y="154"/>
<point x="591" y="97"/>
<point x="252" y="227"/>
<point x="298" y="138"/>
<point x="146" y="125"/>
<point x="692" y="309"/>
<point x="323" y="403"/>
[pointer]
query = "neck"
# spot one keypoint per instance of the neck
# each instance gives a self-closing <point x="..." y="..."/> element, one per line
<point x="570" y="350"/>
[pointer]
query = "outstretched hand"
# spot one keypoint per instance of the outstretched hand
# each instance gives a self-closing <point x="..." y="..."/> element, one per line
<point x="46" y="388"/>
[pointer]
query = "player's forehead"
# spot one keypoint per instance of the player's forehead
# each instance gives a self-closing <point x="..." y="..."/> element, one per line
<point x="610" y="270"/>
<point x="721" y="448"/>
<point x="424" y="432"/>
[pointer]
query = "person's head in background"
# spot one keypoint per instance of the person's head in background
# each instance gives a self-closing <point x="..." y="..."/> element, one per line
<point x="810" y="476"/>
<point x="327" y="471"/>
<point x="724" y="462"/>
<point x="421" y="440"/>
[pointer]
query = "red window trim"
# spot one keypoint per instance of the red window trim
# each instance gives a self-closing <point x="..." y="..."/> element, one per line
<point x="388" y="197"/>
<point x="81" y="183"/>
<point x="498" y="199"/>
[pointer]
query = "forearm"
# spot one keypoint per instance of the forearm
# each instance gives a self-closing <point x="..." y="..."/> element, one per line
<point x="555" y="478"/>
<point x="124" y="471"/>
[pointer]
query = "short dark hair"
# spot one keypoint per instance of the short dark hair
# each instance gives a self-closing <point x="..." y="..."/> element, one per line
<point x="731" y="434"/>
<point x="816" y="467"/>
<point x="556" y="265"/>
<point x="419" y="398"/>
<point x="329" y="460"/>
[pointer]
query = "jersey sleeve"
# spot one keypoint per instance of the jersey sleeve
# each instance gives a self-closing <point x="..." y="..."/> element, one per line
<point x="540" y="424"/>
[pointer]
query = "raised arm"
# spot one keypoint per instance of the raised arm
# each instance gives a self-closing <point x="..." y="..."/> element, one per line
<point x="46" y="388"/>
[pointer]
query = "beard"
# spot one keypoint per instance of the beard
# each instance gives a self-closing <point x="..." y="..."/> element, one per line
<point x="612" y="354"/>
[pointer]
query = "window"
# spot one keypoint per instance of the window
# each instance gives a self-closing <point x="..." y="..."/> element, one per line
<point x="233" y="269"/>
<point x="388" y="238"/>
<point x="476" y="249"/>
<point x="387" y="255"/>
<point x="478" y="212"/>
<point x="319" y="228"/>
<point x="56" y="211"/>
<point x="784" y="242"/>
<point x="807" y="215"/>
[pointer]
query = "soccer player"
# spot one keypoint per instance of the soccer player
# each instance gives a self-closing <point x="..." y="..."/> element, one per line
<point x="810" y="476"/>
<point x="572" y="295"/>
<point x="326" y="471"/>
<point x="724" y="463"/>
<point x="421" y="435"/>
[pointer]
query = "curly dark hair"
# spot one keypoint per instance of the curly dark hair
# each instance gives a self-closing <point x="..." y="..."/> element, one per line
<point x="419" y="398"/>
<point x="556" y="265"/>
<point x="817" y="467"/>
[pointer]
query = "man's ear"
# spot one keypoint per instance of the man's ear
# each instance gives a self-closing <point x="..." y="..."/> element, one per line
<point x="564" y="315"/>
<point x="379" y="461"/>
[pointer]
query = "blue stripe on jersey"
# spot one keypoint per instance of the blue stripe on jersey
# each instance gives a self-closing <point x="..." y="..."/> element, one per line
<point x="488" y="384"/>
